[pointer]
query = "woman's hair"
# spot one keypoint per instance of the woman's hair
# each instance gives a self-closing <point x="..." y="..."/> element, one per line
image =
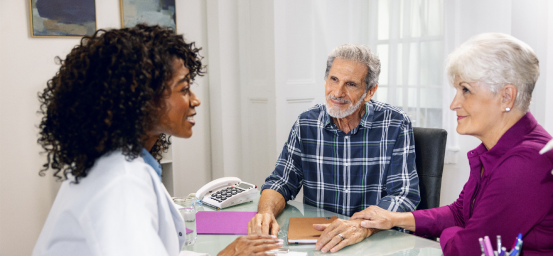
<point x="496" y="60"/>
<point x="357" y="53"/>
<point x="108" y="93"/>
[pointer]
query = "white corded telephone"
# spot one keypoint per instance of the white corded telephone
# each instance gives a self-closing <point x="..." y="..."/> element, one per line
<point x="227" y="191"/>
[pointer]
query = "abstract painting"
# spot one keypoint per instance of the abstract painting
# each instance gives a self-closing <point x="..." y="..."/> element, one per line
<point x="55" y="18"/>
<point x="151" y="12"/>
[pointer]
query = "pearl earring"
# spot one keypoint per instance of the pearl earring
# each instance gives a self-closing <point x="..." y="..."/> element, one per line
<point x="507" y="109"/>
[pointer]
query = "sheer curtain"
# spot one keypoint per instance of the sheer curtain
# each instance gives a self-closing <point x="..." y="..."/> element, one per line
<point x="409" y="40"/>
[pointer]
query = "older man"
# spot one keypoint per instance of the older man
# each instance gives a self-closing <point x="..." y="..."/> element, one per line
<point x="349" y="154"/>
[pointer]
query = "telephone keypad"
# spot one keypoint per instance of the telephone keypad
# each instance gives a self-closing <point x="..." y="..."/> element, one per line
<point x="225" y="193"/>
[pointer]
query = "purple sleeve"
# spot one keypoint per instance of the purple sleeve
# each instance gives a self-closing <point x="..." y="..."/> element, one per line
<point x="432" y="222"/>
<point x="520" y="185"/>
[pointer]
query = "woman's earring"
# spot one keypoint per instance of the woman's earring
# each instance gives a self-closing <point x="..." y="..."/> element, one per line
<point x="507" y="109"/>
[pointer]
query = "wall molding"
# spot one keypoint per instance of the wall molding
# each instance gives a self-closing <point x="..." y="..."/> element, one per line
<point x="299" y="100"/>
<point x="259" y="100"/>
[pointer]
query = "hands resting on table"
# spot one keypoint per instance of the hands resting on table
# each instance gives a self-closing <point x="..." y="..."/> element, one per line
<point x="350" y="230"/>
<point x="337" y="235"/>
<point x="341" y="233"/>
<point x="376" y="217"/>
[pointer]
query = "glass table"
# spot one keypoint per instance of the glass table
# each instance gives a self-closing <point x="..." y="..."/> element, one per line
<point x="386" y="242"/>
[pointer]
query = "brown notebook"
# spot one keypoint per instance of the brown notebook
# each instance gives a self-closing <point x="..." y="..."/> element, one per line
<point x="301" y="231"/>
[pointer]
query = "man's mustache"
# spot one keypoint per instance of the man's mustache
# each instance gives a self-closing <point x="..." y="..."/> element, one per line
<point x="339" y="99"/>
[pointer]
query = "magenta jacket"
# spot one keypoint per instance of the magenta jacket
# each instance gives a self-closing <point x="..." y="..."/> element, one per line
<point x="514" y="195"/>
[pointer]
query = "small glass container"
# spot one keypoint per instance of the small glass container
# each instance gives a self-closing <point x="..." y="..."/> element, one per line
<point x="188" y="213"/>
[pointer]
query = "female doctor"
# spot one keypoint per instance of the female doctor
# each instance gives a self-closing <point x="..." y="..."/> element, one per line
<point x="107" y="115"/>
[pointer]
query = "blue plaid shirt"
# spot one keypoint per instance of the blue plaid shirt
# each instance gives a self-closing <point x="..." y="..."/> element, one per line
<point x="374" y="164"/>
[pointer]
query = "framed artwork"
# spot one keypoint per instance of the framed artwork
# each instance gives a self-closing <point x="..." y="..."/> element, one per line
<point x="62" y="18"/>
<point x="151" y="12"/>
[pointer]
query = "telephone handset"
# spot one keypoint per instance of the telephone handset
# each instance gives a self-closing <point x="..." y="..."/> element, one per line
<point x="226" y="191"/>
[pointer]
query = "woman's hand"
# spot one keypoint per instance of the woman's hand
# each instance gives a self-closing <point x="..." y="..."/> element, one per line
<point x="376" y="217"/>
<point x="252" y="245"/>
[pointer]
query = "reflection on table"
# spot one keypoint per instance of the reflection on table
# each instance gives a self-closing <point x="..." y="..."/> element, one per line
<point x="387" y="242"/>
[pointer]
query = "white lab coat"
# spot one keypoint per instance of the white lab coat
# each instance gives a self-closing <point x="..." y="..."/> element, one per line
<point x="120" y="208"/>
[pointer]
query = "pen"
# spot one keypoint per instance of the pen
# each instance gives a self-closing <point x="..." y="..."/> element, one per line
<point x="516" y="240"/>
<point x="488" y="248"/>
<point x="503" y="251"/>
<point x="481" y="241"/>
<point x="514" y="252"/>
<point x="279" y="251"/>
<point x="498" y="245"/>
<point x="519" y="245"/>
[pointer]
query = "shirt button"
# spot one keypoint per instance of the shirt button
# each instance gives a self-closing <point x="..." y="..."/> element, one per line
<point x="347" y="137"/>
<point x="346" y="191"/>
<point x="347" y="164"/>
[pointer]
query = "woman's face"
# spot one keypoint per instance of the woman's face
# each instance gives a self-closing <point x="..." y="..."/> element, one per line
<point x="478" y="109"/>
<point x="180" y="106"/>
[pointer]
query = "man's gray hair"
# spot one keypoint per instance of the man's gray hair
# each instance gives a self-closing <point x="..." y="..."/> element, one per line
<point x="496" y="60"/>
<point x="357" y="53"/>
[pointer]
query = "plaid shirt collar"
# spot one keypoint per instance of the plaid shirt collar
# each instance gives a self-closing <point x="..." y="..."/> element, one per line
<point x="366" y="120"/>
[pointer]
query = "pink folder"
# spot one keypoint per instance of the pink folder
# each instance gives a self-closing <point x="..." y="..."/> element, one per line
<point x="223" y="223"/>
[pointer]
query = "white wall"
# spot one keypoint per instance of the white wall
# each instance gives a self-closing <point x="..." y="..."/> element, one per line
<point x="25" y="65"/>
<point x="192" y="161"/>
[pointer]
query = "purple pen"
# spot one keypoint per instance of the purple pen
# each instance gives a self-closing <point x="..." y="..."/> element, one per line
<point x="488" y="246"/>
<point x="503" y="251"/>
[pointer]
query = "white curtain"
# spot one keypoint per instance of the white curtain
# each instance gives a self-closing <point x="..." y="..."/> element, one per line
<point x="409" y="41"/>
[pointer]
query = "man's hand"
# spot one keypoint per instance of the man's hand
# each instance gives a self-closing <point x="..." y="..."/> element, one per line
<point x="351" y="231"/>
<point x="262" y="223"/>
<point x="271" y="204"/>
<point x="252" y="245"/>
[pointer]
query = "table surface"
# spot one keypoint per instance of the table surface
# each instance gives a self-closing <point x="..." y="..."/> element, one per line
<point x="387" y="242"/>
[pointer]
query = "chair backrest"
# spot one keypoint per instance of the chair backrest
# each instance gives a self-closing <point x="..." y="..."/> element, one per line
<point x="430" y="151"/>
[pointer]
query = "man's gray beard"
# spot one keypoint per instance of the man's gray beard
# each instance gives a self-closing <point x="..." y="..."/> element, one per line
<point x="336" y="112"/>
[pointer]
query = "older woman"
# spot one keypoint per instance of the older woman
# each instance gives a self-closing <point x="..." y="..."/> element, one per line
<point x="510" y="188"/>
<point x="107" y="115"/>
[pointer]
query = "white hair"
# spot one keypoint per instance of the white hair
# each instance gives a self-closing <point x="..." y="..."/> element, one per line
<point x="496" y="60"/>
<point x="357" y="53"/>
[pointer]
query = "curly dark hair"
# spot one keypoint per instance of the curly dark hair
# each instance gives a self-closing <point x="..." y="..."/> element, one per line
<point x="108" y="92"/>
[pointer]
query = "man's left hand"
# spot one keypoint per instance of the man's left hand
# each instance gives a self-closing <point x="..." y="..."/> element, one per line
<point x="341" y="233"/>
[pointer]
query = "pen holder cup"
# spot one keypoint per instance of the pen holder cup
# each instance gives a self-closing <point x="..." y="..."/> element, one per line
<point x="188" y="213"/>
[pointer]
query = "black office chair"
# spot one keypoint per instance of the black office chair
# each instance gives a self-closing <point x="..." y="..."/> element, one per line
<point x="430" y="151"/>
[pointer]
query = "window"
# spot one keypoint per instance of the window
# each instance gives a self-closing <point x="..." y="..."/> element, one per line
<point x="409" y="41"/>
